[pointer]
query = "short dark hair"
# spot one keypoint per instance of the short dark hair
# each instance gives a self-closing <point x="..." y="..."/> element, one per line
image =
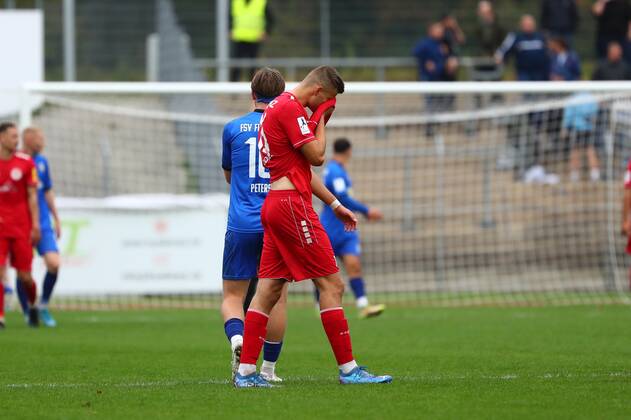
<point x="5" y="126"/>
<point x="328" y="77"/>
<point x="267" y="83"/>
<point x="341" y="145"/>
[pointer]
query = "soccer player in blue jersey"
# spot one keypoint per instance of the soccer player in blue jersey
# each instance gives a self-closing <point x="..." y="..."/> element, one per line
<point x="346" y="245"/>
<point x="249" y="184"/>
<point x="33" y="144"/>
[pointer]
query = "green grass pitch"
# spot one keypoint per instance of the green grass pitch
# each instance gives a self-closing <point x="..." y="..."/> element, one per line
<point x="549" y="362"/>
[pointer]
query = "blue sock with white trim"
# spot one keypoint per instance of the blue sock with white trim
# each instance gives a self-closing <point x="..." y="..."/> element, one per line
<point x="232" y="327"/>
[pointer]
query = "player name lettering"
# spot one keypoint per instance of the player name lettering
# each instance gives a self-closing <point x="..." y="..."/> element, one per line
<point x="248" y="127"/>
<point x="258" y="188"/>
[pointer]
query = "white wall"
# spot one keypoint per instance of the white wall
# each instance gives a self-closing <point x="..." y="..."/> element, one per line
<point x="21" y="54"/>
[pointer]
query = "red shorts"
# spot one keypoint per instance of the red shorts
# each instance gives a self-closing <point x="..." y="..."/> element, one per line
<point x="20" y="250"/>
<point x="295" y="245"/>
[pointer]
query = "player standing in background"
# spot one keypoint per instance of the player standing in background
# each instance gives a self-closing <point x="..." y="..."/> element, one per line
<point x="626" y="212"/>
<point x="249" y="184"/>
<point x="346" y="245"/>
<point x="19" y="216"/>
<point x="296" y="246"/>
<point x="33" y="143"/>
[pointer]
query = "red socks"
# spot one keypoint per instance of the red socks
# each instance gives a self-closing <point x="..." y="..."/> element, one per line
<point x="336" y="328"/>
<point x="1" y="299"/>
<point x="254" y="333"/>
<point x="32" y="294"/>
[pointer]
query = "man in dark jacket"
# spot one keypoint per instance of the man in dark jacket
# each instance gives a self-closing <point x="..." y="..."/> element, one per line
<point x="613" y="23"/>
<point x="529" y="47"/>
<point x="614" y="68"/>
<point x="559" y="19"/>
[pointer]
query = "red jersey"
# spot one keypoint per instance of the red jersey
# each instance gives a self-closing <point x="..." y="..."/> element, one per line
<point x="627" y="177"/>
<point x="284" y="130"/>
<point x="16" y="175"/>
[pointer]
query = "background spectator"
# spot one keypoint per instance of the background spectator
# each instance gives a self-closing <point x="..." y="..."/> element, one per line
<point x="614" y="67"/>
<point x="579" y="118"/>
<point x="250" y="23"/>
<point x="454" y="36"/>
<point x="559" y="19"/>
<point x="489" y="34"/>
<point x="613" y="18"/>
<point x="529" y="46"/>
<point x="431" y="54"/>
<point x="565" y="64"/>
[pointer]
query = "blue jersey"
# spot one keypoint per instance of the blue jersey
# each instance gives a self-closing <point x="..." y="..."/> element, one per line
<point x="45" y="184"/>
<point x="249" y="180"/>
<point x="339" y="183"/>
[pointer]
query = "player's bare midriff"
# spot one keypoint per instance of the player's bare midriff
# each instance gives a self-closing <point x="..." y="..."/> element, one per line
<point x="281" y="184"/>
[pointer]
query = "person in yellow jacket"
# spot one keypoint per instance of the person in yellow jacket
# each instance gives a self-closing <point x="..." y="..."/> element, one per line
<point x="250" y="23"/>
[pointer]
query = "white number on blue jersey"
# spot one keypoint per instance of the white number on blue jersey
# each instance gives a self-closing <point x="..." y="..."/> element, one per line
<point x="253" y="159"/>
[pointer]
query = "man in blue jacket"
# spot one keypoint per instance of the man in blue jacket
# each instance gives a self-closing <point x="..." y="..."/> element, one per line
<point x="529" y="47"/>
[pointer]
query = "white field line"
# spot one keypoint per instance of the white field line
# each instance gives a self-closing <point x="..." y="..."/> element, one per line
<point x="420" y="378"/>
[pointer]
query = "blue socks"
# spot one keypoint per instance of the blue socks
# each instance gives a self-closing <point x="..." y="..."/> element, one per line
<point x="49" y="283"/>
<point x="357" y="285"/>
<point x="232" y="327"/>
<point x="271" y="351"/>
<point x="22" y="297"/>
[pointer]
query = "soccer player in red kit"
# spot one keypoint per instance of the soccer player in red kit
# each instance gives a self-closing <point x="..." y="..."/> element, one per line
<point x="626" y="212"/>
<point x="295" y="246"/>
<point x="19" y="215"/>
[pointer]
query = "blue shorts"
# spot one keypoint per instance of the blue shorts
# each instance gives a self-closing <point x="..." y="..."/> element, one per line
<point x="48" y="243"/>
<point x="241" y="255"/>
<point x="346" y="244"/>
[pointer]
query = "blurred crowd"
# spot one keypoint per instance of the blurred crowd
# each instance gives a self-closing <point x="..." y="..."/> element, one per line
<point x="539" y="52"/>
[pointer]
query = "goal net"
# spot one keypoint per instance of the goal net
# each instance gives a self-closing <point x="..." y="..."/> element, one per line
<point x="499" y="194"/>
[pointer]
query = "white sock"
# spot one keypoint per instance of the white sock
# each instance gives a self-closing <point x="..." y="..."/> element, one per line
<point x="362" y="302"/>
<point x="347" y="367"/>
<point x="594" y="174"/>
<point x="268" y="367"/>
<point x="246" y="369"/>
<point x="575" y="176"/>
<point x="235" y="341"/>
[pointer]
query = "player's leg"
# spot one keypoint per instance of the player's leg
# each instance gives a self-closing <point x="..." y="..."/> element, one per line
<point x="336" y="328"/>
<point x="276" y="327"/>
<point x="2" y="275"/>
<point x="353" y="267"/>
<point x="52" y="262"/>
<point x="21" y="252"/>
<point x="25" y="280"/>
<point x="240" y="259"/>
<point x="267" y="295"/>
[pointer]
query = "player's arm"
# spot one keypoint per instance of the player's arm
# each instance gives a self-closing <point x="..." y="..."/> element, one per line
<point x="322" y="192"/>
<point x="34" y="210"/>
<point x="315" y="150"/>
<point x="49" y="196"/>
<point x="342" y="194"/>
<point x="226" y="153"/>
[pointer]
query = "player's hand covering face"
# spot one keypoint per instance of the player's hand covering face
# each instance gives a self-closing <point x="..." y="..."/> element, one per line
<point x="320" y="96"/>
<point x="347" y="217"/>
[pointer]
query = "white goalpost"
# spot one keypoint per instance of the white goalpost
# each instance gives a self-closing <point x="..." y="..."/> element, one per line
<point x="484" y="201"/>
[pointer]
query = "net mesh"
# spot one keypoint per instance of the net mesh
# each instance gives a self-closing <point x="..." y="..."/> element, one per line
<point x="489" y="198"/>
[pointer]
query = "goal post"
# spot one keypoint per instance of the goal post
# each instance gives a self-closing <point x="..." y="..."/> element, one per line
<point x="493" y="193"/>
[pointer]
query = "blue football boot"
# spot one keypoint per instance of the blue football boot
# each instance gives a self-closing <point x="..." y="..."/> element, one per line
<point x="360" y="375"/>
<point x="253" y="380"/>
